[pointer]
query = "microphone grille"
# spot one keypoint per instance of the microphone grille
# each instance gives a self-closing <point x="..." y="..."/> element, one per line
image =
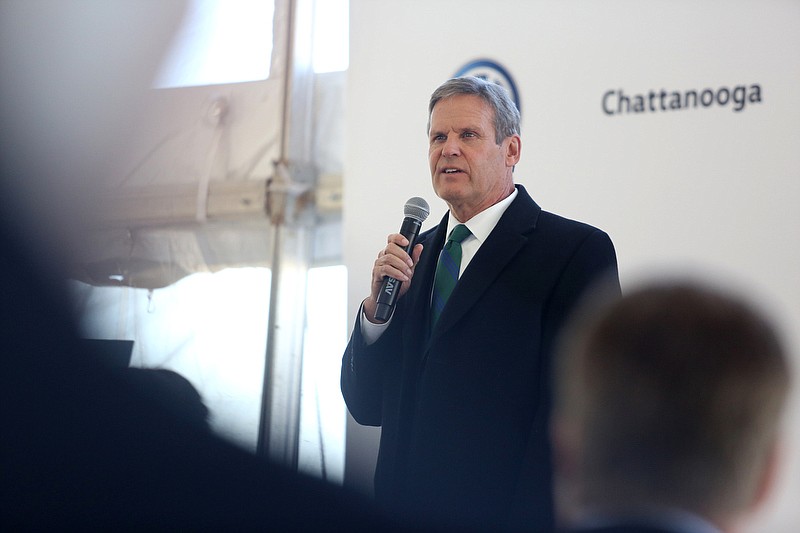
<point x="417" y="208"/>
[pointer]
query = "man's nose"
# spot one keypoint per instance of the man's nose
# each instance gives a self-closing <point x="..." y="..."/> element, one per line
<point x="451" y="147"/>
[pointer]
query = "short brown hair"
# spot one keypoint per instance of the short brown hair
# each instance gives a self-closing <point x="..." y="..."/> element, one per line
<point x="675" y="392"/>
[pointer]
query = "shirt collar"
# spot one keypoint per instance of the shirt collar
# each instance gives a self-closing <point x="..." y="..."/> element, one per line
<point x="482" y="224"/>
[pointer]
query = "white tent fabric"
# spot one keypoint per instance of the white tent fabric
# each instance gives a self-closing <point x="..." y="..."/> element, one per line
<point x="182" y="250"/>
<point x="115" y="187"/>
<point x="192" y="192"/>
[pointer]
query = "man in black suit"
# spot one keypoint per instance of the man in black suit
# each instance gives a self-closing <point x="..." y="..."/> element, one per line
<point x="667" y="413"/>
<point x="464" y="403"/>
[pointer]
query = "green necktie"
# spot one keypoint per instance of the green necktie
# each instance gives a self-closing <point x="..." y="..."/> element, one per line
<point x="447" y="269"/>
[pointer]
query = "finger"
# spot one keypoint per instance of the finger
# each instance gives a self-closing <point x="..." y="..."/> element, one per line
<point x="416" y="253"/>
<point x="381" y="275"/>
<point x="392" y="266"/>
<point x="398" y="239"/>
<point x="393" y="250"/>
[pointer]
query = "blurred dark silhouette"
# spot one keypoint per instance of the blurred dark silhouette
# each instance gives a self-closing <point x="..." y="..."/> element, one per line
<point x="86" y="446"/>
<point x="117" y="353"/>
<point x="172" y="391"/>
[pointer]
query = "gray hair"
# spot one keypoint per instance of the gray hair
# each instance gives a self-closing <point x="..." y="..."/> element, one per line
<point x="506" y="114"/>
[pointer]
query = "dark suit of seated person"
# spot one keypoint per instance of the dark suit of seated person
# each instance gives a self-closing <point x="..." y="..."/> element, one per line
<point x="89" y="447"/>
<point x="667" y="413"/>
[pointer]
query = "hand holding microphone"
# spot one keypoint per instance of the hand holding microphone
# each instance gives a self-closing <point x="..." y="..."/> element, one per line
<point x="416" y="211"/>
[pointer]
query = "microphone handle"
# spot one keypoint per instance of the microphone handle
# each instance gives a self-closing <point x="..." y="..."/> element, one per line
<point x="390" y="288"/>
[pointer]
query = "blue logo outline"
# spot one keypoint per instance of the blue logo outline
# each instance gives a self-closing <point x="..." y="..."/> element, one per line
<point x="497" y="67"/>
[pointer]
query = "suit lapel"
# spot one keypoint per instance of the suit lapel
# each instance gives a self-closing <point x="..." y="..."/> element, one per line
<point x="422" y="285"/>
<point x="504" y="242"/>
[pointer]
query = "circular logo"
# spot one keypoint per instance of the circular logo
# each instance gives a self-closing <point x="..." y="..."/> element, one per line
<point x="491" y="71"/>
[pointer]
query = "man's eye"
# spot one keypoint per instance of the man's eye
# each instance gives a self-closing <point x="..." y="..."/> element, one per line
<point x="469" y="134"/>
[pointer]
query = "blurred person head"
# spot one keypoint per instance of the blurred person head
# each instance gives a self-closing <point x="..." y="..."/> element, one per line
<point x="172" y="391"/>
<point x="669" y="398"/>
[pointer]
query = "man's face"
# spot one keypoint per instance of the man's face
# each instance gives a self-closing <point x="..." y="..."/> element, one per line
<point x="470" y="171"/>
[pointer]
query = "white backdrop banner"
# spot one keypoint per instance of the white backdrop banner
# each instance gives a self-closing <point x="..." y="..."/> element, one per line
<point x="674" y="126"/>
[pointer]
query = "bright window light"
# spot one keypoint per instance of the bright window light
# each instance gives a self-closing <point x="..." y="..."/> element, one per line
<point x="220" y="41"/>
<point x="212" y="329"/>
<point x="323" y="414"/>
<point x="331" y="36"/>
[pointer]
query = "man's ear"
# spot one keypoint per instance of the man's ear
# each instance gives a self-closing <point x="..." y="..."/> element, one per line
<point x="565" y="444"/>
<point x="513" y="150"/>
<point x="768" y="475"/>
<point x="559" y="439"/>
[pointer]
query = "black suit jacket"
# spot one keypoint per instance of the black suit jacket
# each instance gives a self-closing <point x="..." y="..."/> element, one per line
<point x="464" y="407"/>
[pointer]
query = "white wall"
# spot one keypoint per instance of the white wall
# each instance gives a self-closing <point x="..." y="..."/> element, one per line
<point x="710" y="190"/>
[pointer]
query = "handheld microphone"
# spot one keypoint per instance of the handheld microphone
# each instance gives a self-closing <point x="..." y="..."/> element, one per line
<point x="416" y="211"/>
